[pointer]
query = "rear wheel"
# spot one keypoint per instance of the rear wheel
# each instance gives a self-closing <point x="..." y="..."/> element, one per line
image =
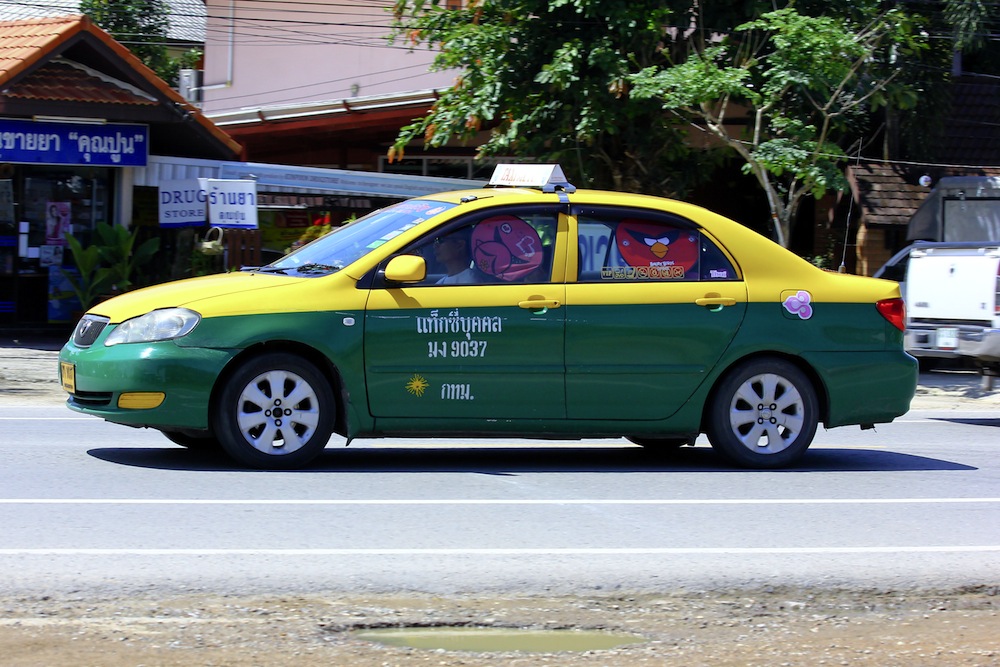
<point x="764" y="414"/>
<point x="275" y="412"/>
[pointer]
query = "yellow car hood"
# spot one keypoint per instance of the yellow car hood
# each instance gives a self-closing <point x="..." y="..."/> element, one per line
<point x="215" y="295"/>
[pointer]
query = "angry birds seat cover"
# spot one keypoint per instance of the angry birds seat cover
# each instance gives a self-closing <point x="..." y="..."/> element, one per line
<point x="506" y="247"/>
<point x="647" y="244"/>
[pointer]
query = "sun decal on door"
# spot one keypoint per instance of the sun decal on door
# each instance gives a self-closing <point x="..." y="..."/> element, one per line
<point x="417" y="385"/>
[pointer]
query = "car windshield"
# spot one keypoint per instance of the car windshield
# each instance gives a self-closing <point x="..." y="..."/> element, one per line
<point x="345" y="245"/>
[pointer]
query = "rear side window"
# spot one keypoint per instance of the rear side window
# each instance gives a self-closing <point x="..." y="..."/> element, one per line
<point x="628" y="247"/>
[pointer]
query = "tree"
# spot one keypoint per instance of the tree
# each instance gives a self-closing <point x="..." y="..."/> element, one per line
<point x="802" y="83"/>
<point x="549" y="79"/>
<point x="142" y="26"/>
<point x="572" y="81"/>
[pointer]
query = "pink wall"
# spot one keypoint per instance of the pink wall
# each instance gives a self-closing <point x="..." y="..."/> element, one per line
<point x="320" y="51"/>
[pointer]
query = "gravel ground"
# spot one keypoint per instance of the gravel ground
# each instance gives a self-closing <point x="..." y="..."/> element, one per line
<point x="721" y="628"/>
<point x="682" y="628"/>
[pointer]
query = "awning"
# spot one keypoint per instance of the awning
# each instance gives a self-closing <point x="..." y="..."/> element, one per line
<point x="292" y="179"/>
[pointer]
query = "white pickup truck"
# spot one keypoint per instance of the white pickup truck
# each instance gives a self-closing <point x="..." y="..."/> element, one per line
<point x="952" y="295"/>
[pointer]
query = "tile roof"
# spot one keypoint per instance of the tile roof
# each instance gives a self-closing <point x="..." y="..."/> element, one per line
<point x="66" y="82"/>
<point x="24" y="43"/>
<point x="29" y="57"/>
<point x="889" y="194"/>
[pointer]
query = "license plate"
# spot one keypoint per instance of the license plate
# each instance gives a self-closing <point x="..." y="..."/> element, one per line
<point x="947" y="338"/>
<point x="67" y="373"/>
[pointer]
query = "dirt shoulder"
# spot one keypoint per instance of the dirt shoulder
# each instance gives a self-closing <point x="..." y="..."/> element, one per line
<point x="721" y="629"/>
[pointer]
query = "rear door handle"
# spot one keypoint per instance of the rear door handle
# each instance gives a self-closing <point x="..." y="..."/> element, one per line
<point x="715" y="301"/>
<point x="539" y="304"/>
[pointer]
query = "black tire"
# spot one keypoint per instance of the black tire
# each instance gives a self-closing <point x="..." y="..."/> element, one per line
<point x="763" y="414"/>
<point x="658" y="443"/>
<point x="276" y="412"/>
<point x="201" y="443"/>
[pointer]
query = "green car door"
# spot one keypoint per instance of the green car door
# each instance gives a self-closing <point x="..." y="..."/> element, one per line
<point x="484" y="342"/>
<point x="655" y="306"/>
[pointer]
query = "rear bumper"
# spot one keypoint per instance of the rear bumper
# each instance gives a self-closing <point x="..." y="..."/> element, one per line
<point x="865" y="387"/>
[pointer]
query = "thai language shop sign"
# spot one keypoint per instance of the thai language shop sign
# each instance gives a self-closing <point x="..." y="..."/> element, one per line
<point x="104" y="145"/>
<point x="223" y="203"/>
<point x="231" y="204"/>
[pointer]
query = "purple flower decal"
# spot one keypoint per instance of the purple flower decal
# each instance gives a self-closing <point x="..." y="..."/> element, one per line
<point x="798" y="304"/>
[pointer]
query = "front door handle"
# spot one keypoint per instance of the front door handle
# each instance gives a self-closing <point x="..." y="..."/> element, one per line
<point x="539" y="304"/>
<point x="715" y="301"/>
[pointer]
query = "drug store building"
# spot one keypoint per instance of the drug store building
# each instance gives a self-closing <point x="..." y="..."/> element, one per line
<point x="80" y="116"/>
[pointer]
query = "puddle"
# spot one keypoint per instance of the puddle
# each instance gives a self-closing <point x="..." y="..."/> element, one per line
<point x="490" y="640"/>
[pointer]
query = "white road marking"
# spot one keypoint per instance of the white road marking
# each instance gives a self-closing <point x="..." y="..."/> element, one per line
<point x="492" y="501"/>
<point x="570" y="551"/>
<point x="46" y="419"/>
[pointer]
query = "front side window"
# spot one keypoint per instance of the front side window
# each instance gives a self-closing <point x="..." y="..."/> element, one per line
<point x="512" y="246"/>
<point x="630" y="247"/>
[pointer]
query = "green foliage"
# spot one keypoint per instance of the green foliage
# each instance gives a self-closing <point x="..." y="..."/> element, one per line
<point x="648" y="96"/>
<point x="548" y="79"/>
<point x="109" y="264"/>
<point x="804" y="84"/>
<point x="116" y="247"/>
<point x="141" y="25"/>
<point x="93" y="279"/>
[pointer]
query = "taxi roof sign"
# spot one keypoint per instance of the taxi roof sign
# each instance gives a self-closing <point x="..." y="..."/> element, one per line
<point x="548" y="177"/>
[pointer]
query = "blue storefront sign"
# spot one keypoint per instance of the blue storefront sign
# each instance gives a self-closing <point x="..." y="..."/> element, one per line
<point x="104" y="145"/>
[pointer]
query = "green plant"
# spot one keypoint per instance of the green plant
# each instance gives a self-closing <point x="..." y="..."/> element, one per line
<point x="116" y="247"/>
<point x="92" y="278"/>
<point x="109" y="263"/>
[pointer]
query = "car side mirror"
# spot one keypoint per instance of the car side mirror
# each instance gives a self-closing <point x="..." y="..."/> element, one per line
<point x="406" y="269"/>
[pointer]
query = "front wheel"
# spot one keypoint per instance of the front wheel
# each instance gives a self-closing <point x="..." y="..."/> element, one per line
<point x="764" y="414"/>
<point x="275" y="412"/>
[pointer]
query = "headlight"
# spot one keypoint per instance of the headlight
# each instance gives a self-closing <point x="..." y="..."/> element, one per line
<point x="156" y="325"/>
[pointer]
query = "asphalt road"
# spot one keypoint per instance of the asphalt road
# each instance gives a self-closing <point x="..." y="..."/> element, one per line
<point x="87" y="505"/>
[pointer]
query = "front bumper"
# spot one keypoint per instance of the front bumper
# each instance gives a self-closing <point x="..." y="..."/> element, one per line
<point x="107" y="381"/>
<point x="951" y="341"/>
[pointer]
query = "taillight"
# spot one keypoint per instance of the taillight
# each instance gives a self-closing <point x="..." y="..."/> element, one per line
<point x="894" y="311"/>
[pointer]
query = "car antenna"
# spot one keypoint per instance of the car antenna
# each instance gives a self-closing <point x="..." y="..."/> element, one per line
<point x="847" y="228"/>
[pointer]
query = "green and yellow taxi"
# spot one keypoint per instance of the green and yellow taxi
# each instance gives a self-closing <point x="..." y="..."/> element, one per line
<point x="527" y="308"/>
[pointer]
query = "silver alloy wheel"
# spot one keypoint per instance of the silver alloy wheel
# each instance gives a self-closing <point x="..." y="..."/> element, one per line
<point x="767" y="413"/>
<point x="278" y="412"/>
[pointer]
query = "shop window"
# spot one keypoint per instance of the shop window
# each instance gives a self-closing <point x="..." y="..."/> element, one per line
<point x="39" y="207"/>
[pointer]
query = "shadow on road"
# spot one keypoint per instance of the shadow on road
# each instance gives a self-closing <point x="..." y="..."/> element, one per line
<point x="969" y="421"/>
<point x="519" y="460"/>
